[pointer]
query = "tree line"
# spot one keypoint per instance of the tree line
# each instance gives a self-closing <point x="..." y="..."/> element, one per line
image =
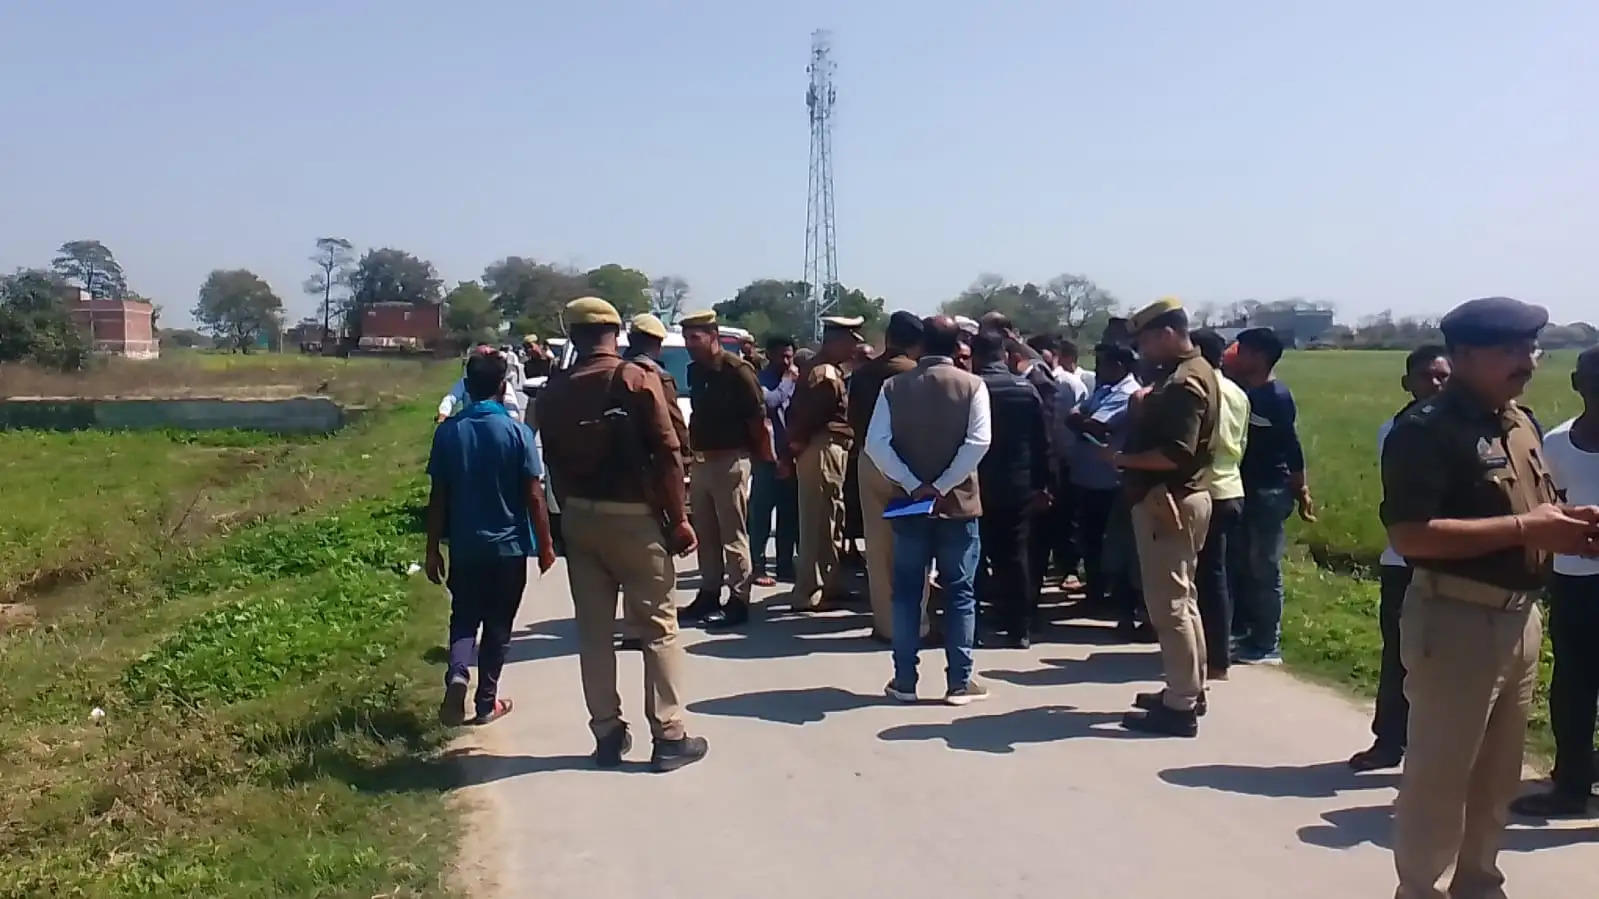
<point x="237" y="309"/>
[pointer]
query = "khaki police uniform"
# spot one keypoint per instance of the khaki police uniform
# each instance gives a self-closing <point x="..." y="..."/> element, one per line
<point x="651" y="326"/>
<point x="876" y="490"/>
<point x="729" y="407"/>
<point x="1470" y="631"/>
<point x="612" y="527"/>
<point x="1178" y="418"/>
<point x="818" y="429"/>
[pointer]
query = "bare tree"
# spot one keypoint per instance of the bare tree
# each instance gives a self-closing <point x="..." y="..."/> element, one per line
<point x="1077" y="300"/>
<point x="334" y="259"/>
<point x="668" y="294"/>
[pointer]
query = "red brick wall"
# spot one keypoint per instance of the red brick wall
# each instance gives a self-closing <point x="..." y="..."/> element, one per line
<point x="117" y="326"/>
<point x="423" y="323"/>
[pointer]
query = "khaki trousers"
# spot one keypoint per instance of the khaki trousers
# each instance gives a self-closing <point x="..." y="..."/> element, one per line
<point x="719" y="492"/>
<point x="610" y="550"/>
<point x="820" y="469"/>
<point x="876" y="490"/>
<point x="1167" y="563"/>
<point x="1469" y="674"/>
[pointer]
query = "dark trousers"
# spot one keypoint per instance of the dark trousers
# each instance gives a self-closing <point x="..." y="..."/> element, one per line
<point x="1004" y="570"/>
<point x="1063" y="512"/>
<point x="1215" y="599"/>
<point x="1391" y="723"/>
<point x="1093" y="519"/>
<point x="769" y="494"/>
<point x="484" y="594"/>
<point x="1574" y="691"/>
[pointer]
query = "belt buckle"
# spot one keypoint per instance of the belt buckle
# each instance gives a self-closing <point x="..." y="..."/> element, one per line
<point x="699" y="457"/>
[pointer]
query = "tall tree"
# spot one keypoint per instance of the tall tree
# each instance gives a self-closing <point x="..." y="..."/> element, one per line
<point x="628" y="289"/>
<point x="532" y="293"/>
<point x="91" y="265"/>
<point x="471" y="317"/>
<point x="668" y="295"/>
<point x="237" y="307"/>
<point x="1079" y="303"/>
<point x="334" y="259"/>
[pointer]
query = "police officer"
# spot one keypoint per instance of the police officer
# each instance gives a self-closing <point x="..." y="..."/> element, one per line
<point x="645" y="334"/>
<point x="1165" y="466"/>
<point x="819" y="436"/>
<point x="1469" y="502"/>
<point x="615" y="464"/>
<point x="728" y="427"/>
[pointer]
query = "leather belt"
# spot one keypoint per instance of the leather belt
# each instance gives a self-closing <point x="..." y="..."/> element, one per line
<point x="605" y="506"/>
<point x="1477" y="593"/>
<point x="719" y="454"/>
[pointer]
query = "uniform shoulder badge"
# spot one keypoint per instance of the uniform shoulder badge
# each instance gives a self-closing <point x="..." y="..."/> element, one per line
<point x="825" y="371"/>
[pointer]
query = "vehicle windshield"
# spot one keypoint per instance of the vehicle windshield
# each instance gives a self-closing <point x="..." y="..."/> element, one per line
<point x="675" y="360"/>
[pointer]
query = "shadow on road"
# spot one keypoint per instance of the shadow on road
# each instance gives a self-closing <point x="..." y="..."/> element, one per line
<point x="789" y="637"/>
<point x="544" y="640"/>
<point x="788" y="706"/>
<point x="1320" y="781"/>
<point x="1347" y="828"/>
<point x="1097" y="668"/>
<point x="1004" y="732"/>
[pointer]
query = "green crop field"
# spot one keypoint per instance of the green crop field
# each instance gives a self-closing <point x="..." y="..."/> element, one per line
<point x="1343" y="397"/>
<point x="240" y="607"/>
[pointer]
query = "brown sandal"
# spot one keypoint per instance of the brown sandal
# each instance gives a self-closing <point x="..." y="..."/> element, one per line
<point x="502" y="707"/>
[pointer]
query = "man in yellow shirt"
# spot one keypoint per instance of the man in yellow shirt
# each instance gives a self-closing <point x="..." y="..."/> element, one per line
<point x="1226" y="487"/>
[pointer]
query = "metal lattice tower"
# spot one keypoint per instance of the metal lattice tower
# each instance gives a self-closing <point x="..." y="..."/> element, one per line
<point x="821" y="250"/>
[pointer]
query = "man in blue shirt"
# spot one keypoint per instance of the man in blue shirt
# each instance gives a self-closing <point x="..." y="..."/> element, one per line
<point x="1110" y="561"/>
<point x="488" y="503"/>
<point x="1273" y="469"/>
<point x="774" y="488"/>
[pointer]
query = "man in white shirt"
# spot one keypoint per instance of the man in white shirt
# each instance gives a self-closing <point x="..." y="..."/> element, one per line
<point x="929" y="430"/>
<point x="1426" y="372"/>
<point x="457" y="399"/>
<point x="1572" y="451"/>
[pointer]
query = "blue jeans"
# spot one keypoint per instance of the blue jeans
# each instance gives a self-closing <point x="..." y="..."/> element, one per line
<point x="1257" y="564"/>
<point x="954" y="544"/>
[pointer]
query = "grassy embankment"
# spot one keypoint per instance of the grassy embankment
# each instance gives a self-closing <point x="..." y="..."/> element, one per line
<point x="239" y="606"/>
<point x="1330" y="622"/>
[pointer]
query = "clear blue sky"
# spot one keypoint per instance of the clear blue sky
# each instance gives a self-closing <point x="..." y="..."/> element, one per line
<point x="1377" y="155"/>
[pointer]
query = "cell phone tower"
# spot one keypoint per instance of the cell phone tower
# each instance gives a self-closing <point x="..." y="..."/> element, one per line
<point x="821" y="250"/>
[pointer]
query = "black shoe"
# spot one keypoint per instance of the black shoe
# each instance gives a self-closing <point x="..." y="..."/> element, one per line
<point x="1144" y="633"/>
<point x="1376" y="758"/>
<point x="1553" y="804"/>
<point x="1152" y="701"/>
<point x="735" y="613"/>
<point x="609" y="749"/>
<point x="1163" y="721"/>
<point x="670" y="755"/>
<point x="881" y="638"/>
<point x="786" y="575"/>
<point x="703" y="604"/>
<point x="627" y="644"/>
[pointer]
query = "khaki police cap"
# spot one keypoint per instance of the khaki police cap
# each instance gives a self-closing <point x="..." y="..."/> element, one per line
<point x="1144" y="316"/>
<point x="1493" y="320"/>
<point x="592" y="311"/>
<point x="846" y="324"/>
<point x="705" y="318"/>
<point x="648" y="325"/>
<point x="530" y="338"/>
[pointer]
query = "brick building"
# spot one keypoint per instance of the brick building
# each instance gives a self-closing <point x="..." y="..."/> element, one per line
<point x="117" y="327"/>
<point x="401" y="326"/>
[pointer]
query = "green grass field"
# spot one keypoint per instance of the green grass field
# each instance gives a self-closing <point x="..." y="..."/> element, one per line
<point x="241" y="608"/>
<point x="1330" y="618"/>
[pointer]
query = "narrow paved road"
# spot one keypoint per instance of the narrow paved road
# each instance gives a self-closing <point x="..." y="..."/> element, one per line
<point x="818" y="786"/>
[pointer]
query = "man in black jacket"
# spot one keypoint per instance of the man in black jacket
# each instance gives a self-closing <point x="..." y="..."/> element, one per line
<point x="1013" y="480"/>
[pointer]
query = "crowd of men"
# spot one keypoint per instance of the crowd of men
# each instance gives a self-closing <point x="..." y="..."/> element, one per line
<point x="981" y="466"/>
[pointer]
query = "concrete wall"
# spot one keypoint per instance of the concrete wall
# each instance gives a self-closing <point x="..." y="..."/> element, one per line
<point x="299" y="415"/>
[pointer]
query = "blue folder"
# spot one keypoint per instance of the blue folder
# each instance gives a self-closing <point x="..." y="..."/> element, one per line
<point x="908" y="508"/>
